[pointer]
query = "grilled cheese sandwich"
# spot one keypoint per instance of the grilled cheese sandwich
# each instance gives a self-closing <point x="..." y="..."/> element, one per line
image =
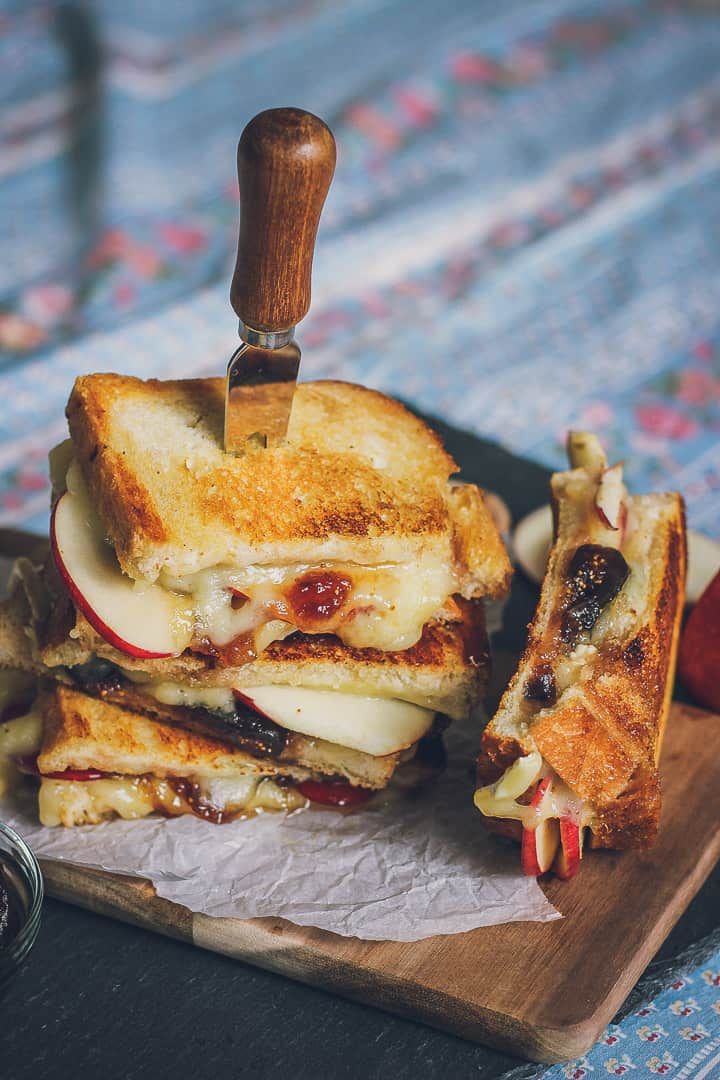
<point x="352" y="527"/>
<point x="576" y="739"/>
<point x="211" y="632"/>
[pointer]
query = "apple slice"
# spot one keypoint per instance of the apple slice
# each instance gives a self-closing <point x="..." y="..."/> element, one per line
<point x="567" y="861"/>
<point x="539" y="844"/>
<point x="141" y="620"/>
<point x="373" y="725"/>
<point x="609" y="497"/>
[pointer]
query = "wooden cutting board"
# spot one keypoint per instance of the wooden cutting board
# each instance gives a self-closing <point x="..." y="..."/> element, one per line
<point x="541" y="990"/>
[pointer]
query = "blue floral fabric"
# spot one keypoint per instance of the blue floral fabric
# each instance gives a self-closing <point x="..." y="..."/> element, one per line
<point x="675" y="1034"/>
<point x="523" y="235"/>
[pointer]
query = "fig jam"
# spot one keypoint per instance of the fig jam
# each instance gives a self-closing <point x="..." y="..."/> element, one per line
<point x="190" y="793"/>
<point x="595" y="576"/>
<point x="541" y="686"/>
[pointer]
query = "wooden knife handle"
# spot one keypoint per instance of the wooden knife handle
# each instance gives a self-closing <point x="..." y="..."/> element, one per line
<point x="286" y="160"/>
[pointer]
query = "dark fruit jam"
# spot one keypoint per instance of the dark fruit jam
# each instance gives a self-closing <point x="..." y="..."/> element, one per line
<point x="318" y="596"/>
<point x="596" y="575"/>
<point x="541" y="687"/>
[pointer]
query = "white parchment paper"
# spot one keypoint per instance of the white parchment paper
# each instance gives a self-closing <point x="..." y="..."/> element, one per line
<point x="403" y="867"/>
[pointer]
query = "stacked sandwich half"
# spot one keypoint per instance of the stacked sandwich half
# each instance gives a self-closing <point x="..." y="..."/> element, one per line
<point x="218" y="635"/>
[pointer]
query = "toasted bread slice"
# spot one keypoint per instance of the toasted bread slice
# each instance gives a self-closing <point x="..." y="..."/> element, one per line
<point x="359" y="480"/>
<point x="602" y="735"/>
<point x="149" y="765"/>
<point x="82" y="732"/>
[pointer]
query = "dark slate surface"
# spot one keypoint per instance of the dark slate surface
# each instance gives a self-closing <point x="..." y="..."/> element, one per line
<point x="97" y="998"/>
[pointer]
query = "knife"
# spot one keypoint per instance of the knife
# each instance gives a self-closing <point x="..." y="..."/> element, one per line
<point x="286" y="160"/>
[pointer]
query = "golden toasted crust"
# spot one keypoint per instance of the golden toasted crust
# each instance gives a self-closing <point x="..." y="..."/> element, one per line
<point x="603" y="736"/>
<point x="360" y="477"/>
<point x="82" y="732"/>
<point x="478" y="548"/>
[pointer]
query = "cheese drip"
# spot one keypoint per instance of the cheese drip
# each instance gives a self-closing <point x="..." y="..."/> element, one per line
<point x="501" y="799"/>
<point x="71" y="802"/>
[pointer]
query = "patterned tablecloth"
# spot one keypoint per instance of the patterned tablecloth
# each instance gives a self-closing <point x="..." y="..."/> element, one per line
<point x="523" y="234"/>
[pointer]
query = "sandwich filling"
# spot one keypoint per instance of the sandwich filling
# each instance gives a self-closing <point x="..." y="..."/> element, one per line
<point x="95" y="759"/>
<point x="231" y="613"/>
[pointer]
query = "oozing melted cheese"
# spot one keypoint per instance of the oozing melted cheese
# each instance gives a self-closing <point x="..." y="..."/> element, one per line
<point x="500" y="800"/>
<point x="70" y="802"/>
<point x="386" y="608"/>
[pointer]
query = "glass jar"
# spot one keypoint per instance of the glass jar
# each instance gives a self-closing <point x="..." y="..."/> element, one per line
<point x="21" y="896"/>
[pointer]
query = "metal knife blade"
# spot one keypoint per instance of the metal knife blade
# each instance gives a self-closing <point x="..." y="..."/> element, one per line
<point x="259" y="395"/>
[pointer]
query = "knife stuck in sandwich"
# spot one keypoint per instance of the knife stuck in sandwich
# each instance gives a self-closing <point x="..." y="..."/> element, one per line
<point x="286" y="160"/>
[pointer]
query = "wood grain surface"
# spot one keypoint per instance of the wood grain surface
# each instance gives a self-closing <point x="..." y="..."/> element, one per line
<point x="541" y="990"/>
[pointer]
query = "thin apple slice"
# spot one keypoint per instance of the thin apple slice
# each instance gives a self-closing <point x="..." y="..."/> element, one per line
<point x="568" y="858"/>
<point x="610" y="496"/>
<point x="520" y="776"/>
<point x="373" y="725"/>
<point x="539" y="844"/>
<point x="144" y="621"/>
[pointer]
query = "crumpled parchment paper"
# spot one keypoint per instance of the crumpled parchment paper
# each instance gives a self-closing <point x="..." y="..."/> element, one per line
<point x="403" y="867"/>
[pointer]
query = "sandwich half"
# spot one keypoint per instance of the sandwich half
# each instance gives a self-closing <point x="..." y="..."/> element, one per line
<point x="575" y="743"/>
<point x="310" y="616"/>
<point x="169" y="546"/>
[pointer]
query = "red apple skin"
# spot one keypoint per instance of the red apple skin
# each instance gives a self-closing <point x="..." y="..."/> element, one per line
<point x="528" y="849"/>
<point x="605" y="519"/>
<point x="251" y="704"/>
<point x="79" y="600"/>
<point x="528" y="854"/>
<point x="334" y="794"/>
<point x="699" y="656"/>
<point x="567" y="860"/>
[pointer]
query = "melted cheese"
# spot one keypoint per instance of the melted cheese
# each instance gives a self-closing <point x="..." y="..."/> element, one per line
<point x="214" y="698"/>
<point x="500" y="800"/>
<point x="387" y="608"/>
<point x="18" y="737"/>
<point x="70" y="802"/>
